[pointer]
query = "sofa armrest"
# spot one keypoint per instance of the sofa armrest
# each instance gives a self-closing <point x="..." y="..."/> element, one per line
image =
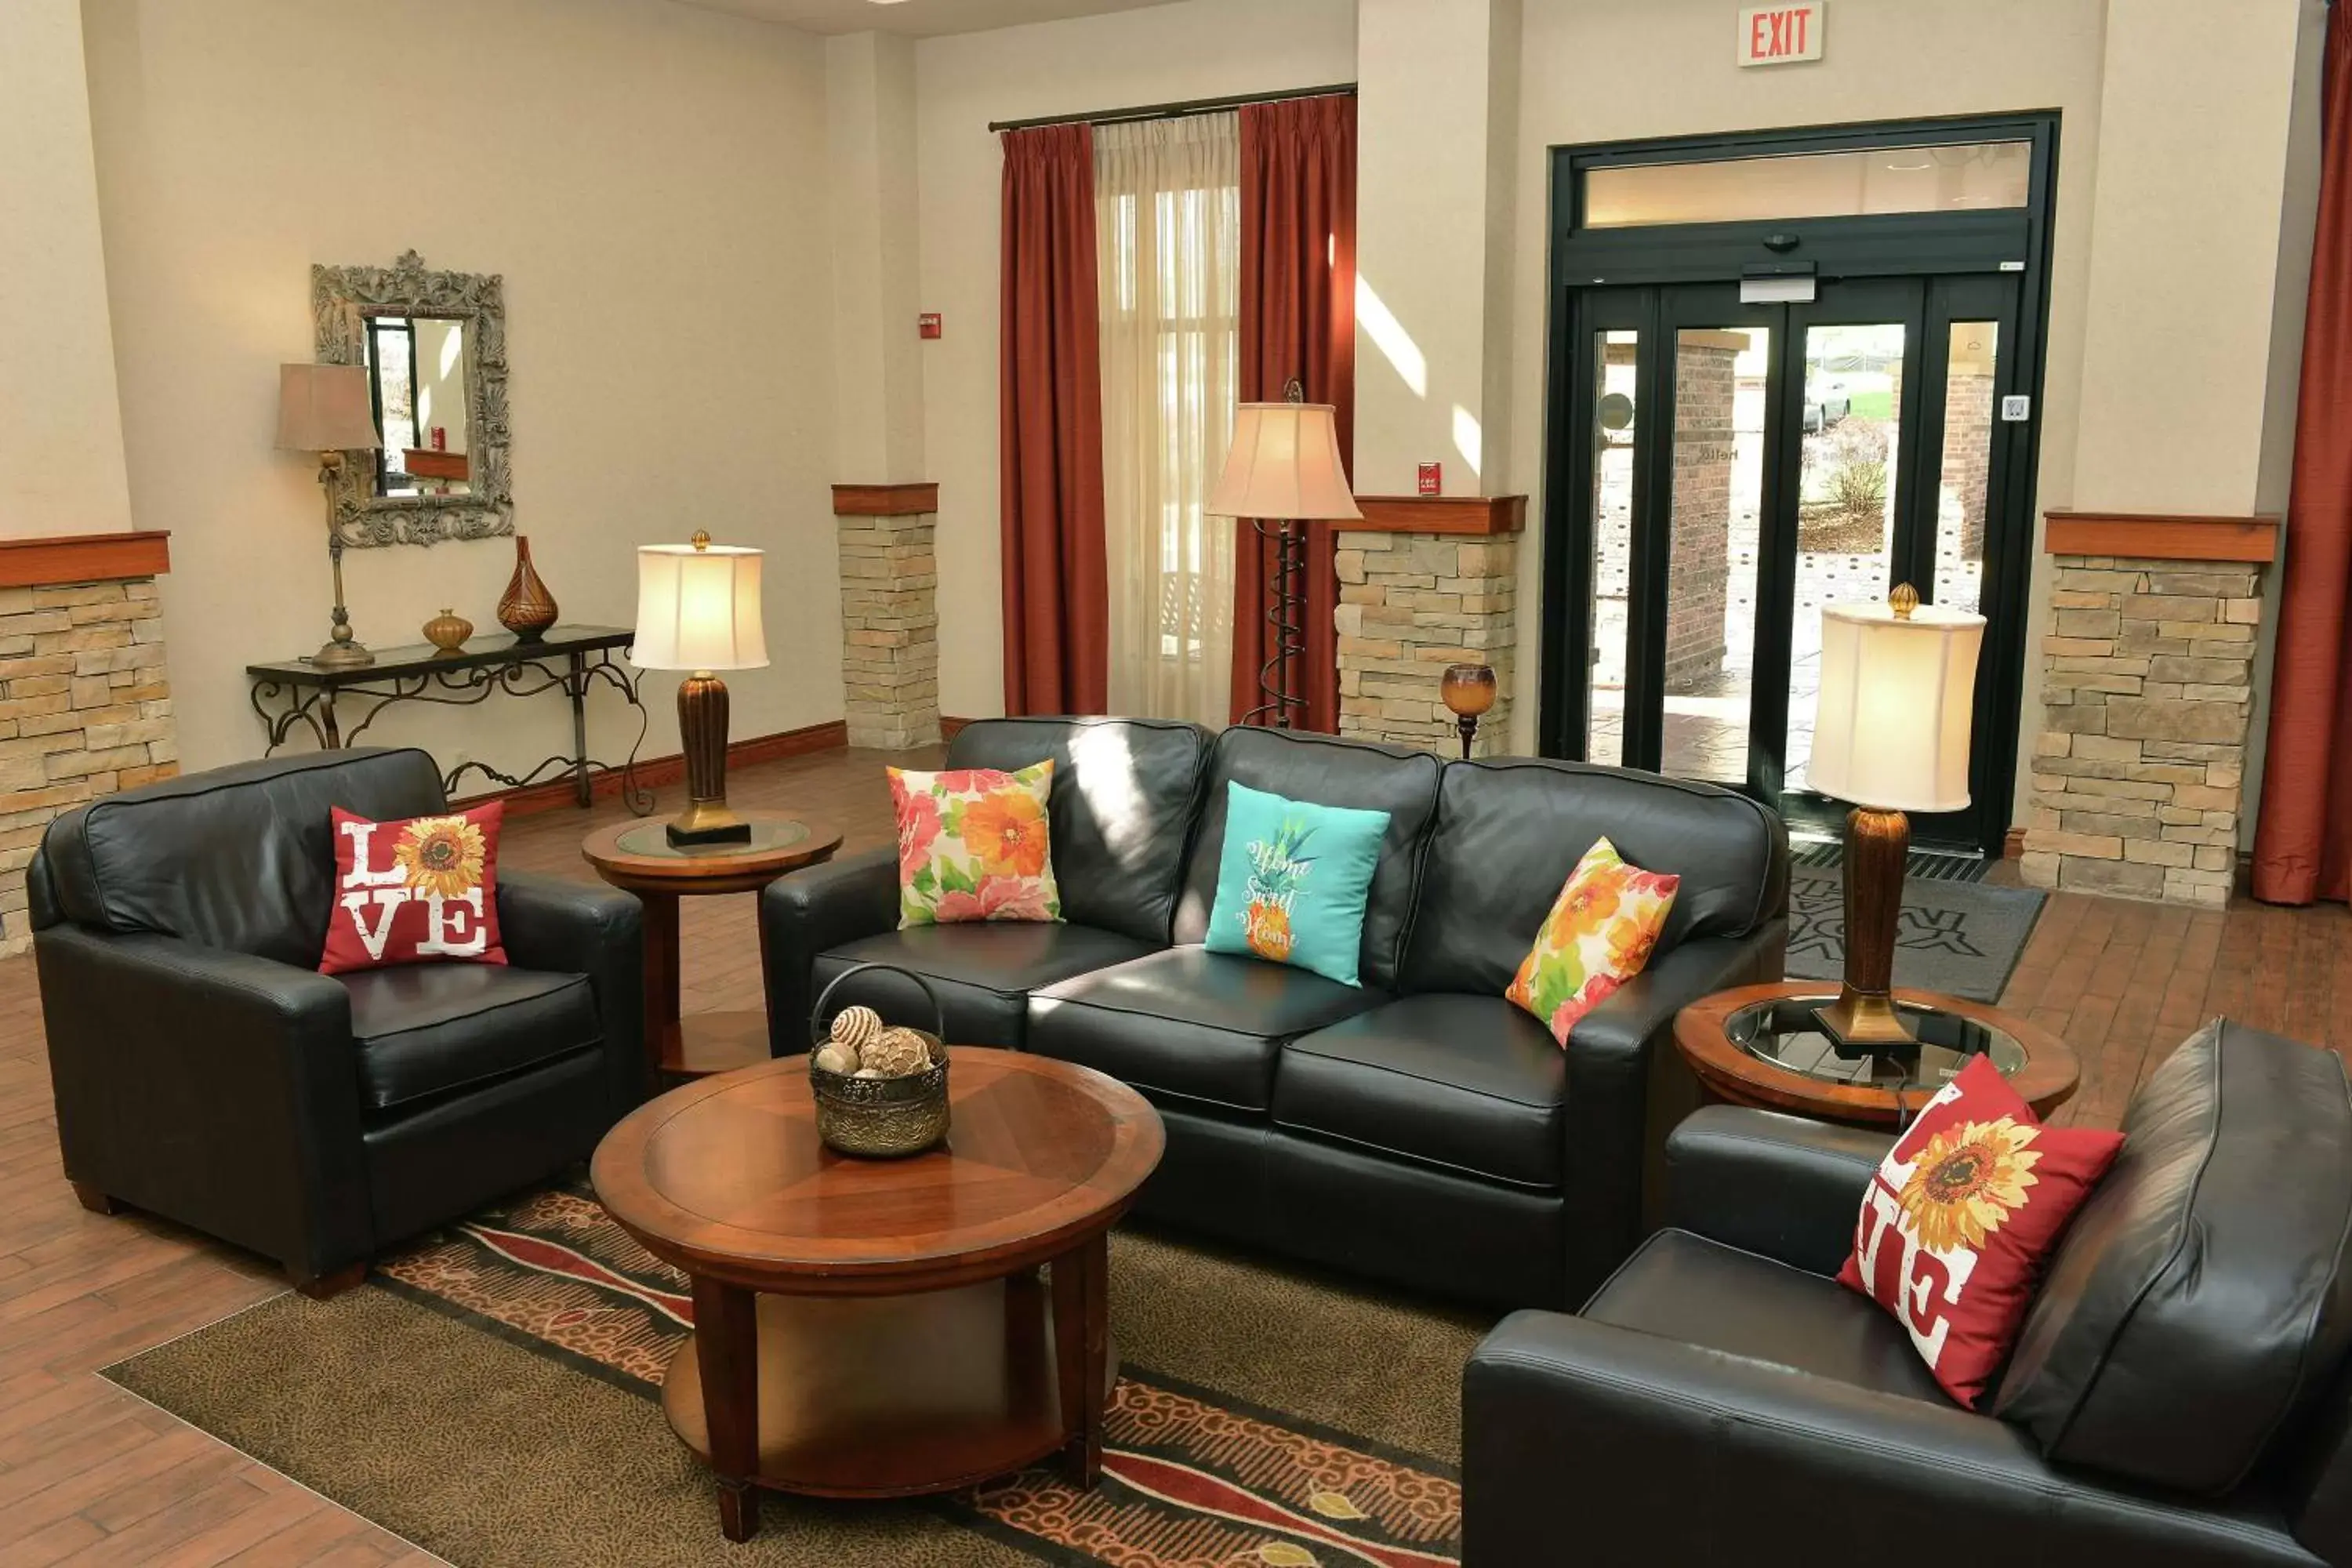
<point x="806" y="913"/>
<point x="581" y="928"/>
<point x="1778" y="1185"/>
<point x="1586" y="1442"/>
<point x="214" y="1087"/>
<point x="1608" y="1112"/>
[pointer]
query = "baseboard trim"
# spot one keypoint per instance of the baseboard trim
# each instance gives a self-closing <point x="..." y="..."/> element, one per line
<point x="556" y="794"/>
<point x="947" y="726"/>
<point x="2012" y="844"/>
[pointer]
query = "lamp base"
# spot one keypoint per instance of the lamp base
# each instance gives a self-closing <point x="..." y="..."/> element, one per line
<point x="708" y="822"/>
<point x="348" y="655"/>
<point x="1877" y="850"/>
<point x="702" y="727"/>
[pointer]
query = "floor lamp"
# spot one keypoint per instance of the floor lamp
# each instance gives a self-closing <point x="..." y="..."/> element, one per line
<point x="1283" y="469"/>
<point x="1891" y="735"/>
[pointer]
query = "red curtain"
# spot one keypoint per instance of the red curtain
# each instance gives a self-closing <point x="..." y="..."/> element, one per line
<point x="1057" y="591"/>
<point x="2302" y="839"/>
<point x="1297" y="320"/>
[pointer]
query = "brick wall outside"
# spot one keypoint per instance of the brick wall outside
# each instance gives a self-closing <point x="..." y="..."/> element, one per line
<point x="1967" y="454"/>
<point x="1410" y="604"/>
<point x="2148" y="691"/>
<point x="84" y="712"/>
<point x="889" y="630"/>
<point x="1698" y="562"/>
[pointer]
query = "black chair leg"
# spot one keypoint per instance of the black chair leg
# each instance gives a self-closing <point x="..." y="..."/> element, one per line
<point x="93" y="1200"/>
<point x="321" y="1287"/>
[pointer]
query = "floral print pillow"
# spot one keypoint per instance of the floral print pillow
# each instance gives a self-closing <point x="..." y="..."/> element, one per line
<point x="1599" y="933"/>
<point x="972" y="846"/>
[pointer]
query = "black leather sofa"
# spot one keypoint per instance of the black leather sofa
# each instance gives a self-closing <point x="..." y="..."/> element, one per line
<point x="1419" y="1129"/>
<point x="2177" y="1396"/>
<point x="205" y="1071"/>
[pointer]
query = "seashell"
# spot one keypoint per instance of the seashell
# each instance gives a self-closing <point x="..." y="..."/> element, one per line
<point x="855" y="1028"/>
<point x="835" y="1056"/>
<point x="866" y="1072"/>
<point x="897" y="1052"/>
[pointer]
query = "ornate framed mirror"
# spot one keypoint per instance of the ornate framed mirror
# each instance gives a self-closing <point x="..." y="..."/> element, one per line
<point x="435" y="346"/>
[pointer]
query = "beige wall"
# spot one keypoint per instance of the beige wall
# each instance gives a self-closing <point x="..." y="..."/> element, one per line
<point x="1193" y="50"/>
<point x="870" y="80"/>
<point x="60" y="430"/>
<point x="643" y="176"/>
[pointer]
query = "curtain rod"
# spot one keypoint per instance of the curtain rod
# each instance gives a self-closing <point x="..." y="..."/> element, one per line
<point x="1172" y="111"/>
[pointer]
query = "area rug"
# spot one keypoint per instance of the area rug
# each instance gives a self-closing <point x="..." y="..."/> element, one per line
<point x="492" y="1395"/>
<point x="1960" y="938"/>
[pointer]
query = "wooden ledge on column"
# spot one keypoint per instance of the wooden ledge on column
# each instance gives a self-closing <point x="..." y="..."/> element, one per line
<point x="2156" y="536"/>
<point x="84" y="558"/>
<point x="885" y="500"/>
<point x="1478" y="515"/>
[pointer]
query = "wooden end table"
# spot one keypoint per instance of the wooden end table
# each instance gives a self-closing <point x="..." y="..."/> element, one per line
<point x="876" y="1328"/>
<point x="639" y="858"/>
<point x="1757" y="1046"/>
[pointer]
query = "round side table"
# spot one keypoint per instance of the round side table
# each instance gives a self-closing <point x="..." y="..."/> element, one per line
<point x="1758" y="1044"/>
<point x="638" y="858"/>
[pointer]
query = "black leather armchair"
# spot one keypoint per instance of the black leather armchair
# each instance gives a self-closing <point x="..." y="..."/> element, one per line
<point x="2177" y="1396"/>
<point x="205" y="1071"/>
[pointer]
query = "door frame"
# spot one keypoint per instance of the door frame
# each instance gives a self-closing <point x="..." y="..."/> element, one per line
<point x="2015" y="241"/>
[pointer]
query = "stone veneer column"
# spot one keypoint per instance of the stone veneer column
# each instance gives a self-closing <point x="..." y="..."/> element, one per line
<point x="889" y="614"/>
<point x="84" y="706"/>
<point x="2147" y="693"/>
<point x="1419" y="590"/>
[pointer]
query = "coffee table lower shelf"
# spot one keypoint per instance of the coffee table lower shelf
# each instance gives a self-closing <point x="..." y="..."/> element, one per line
<point x="896" y="1395"/>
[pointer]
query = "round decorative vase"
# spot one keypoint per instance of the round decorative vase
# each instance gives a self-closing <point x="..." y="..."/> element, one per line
<point x="881" y="1118"/>
<point x="527" y="608"/>
<point x="449" y="631"/>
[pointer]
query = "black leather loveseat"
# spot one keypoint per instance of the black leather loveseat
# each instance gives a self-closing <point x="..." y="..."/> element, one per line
<point x="2179" y="1396"/>
<point x="1419" y="1129"/>
<point x="206" y="1071"/>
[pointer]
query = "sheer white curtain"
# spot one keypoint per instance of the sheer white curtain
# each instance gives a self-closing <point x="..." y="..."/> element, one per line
<point x="1167" y="224"/>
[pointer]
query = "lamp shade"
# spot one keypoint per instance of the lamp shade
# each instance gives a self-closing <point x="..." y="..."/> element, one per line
<point x="698" y="608"/>
<point x="1892" y="729"/>
<point x="325" y="409"/>
<point x="1284" y="463"/>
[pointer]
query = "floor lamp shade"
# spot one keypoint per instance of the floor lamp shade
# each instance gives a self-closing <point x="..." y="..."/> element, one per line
<point x="1897" y="698"/>
<point x="1284" y="464"/>
<point x="325" y="409"/>
<point x="698" y="608"/>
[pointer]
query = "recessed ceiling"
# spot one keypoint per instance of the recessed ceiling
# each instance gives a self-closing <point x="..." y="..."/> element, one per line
<point x="920" y="18"/>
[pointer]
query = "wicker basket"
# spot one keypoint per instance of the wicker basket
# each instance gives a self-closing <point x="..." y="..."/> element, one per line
<point x="880" y="1118"/>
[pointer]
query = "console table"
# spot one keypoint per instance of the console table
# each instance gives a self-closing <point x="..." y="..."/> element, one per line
<point x="568" y="660"/>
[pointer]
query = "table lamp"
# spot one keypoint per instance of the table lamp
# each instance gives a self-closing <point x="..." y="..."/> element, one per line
<point x="1284" y="467"/>
<point x="326" y="409"/>
<point x="698" y="610"/>
<point x="1891" y="735"/>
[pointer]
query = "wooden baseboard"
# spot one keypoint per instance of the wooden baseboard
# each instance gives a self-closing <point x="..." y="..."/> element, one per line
<point x="2012" y="844"/>
<point x="556" y="794"/>
<point x="947" y="726"/>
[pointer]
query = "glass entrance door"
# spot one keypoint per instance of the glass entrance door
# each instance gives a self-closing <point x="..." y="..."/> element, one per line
<point x="1740" y="466"/>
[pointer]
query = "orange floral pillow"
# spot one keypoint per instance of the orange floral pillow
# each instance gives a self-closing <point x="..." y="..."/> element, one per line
<point x="1599" y="933"/>
<point x="972" y="846"/>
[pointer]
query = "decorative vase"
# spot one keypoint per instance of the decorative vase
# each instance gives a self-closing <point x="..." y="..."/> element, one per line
<point x="449" y="631"/>
<point x="528" y="609"/>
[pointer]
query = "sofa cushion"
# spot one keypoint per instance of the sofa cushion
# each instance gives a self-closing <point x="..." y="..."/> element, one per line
<point x="1190" y="1023"/>
<point x="1125" y="791"/>
<point x="423" y="1029"/>
<point x="1509" y="832"/>
<point x="1328" y="772"/>
<point x="983" y="973"/>
<point x="1683" y="1287"/>
<point x="1470" y="1083"/>
<point x="241" y="857"/>
<point x="2200" y="1300"/>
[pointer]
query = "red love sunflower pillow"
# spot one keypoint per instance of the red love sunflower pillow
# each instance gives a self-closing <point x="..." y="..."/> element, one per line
<point x="1961" y="1217"/>
<point x="420" y="890"/>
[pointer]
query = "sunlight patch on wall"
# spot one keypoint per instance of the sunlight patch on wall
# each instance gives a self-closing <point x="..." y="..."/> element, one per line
<point x="1388" y="335"/>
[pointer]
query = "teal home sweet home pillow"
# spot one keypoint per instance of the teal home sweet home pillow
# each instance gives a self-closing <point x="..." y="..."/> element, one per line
<point x="1293" y="880"/>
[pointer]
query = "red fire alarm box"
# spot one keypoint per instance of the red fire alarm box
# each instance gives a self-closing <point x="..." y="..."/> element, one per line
<point x="1431" y="478"/>
<point x="928" y="324"/>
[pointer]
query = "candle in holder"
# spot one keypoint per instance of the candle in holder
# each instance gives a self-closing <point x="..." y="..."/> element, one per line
<point x="1469" y="691"/>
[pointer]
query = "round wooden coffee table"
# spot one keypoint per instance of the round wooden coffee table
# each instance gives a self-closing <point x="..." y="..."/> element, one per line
<point x="638" y="858"/>
<point x="1757" y="1046"/>
<point x="876" y="1328"/>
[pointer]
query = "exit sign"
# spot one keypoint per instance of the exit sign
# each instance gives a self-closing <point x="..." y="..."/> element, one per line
<point x="1781" y="35"/>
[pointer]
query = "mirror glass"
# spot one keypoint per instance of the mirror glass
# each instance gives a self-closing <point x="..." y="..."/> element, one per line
<point x="417" y="372"/>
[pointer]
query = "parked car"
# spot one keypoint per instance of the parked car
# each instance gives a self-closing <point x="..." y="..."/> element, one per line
<point x="1833" y="404"/>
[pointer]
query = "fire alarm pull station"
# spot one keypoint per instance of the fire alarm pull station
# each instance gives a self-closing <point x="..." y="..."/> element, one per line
<point x="928" y="324"/>
<point x="1431" y="479"/>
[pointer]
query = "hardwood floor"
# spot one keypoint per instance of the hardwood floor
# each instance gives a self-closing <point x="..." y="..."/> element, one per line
<point x="89" y="1474"/>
